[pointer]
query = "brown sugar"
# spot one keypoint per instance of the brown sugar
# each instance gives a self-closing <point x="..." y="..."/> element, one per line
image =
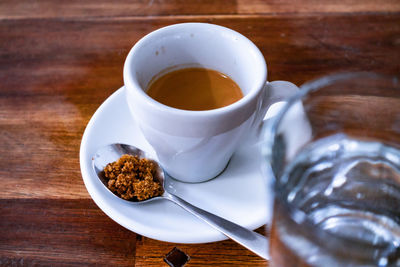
<point x="133" y="178"/>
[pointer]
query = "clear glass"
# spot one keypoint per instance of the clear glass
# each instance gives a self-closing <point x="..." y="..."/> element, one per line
<point x="334" y="150"/>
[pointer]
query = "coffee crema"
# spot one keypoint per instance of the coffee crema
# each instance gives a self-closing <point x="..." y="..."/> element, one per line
<point x="195" y="89"/>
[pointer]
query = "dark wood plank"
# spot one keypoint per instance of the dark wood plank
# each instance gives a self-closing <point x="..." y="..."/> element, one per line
<point x="61" y="232"/>
<point x="223" y="253"/>
<point x="123" y="8"/>
<point x="55" y="73"/>
<point x="66" y="232"/>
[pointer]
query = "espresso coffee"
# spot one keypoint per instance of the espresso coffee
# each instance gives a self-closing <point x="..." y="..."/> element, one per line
<point x="195" y="89"/>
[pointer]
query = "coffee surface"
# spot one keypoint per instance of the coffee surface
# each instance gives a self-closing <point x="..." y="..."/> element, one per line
<point x="195" y="89"/>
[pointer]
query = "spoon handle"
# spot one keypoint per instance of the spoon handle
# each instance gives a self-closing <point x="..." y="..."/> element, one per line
<point x="253" y="241"/>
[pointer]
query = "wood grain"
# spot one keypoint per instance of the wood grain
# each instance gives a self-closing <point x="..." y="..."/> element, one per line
<point x="122" y="8"/>
<point x="59" y="60"/>
<point x="61" y="233"/>
<point x="56" y="73"/>
<point x="223" y="253"/>
<point x="71" y="232"/>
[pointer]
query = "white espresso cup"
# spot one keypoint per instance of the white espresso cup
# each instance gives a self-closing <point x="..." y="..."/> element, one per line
<point x="195" y="146"/>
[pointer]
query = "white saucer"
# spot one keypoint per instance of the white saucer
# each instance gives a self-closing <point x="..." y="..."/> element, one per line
<point x="239" y="194"/>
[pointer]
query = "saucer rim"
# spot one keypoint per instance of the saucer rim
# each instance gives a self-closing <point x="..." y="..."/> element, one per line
<point x="139" y="228"/>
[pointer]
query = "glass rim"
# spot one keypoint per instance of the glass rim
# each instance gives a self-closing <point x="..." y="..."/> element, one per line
<point x="319" y="83"/>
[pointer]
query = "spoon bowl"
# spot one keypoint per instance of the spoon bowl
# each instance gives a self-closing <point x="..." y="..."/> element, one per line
<point x="113" y="152"/>
<point x="247" y="238"/>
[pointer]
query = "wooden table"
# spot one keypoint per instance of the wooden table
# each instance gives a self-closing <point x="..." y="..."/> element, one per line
<point x="59" y="60"/>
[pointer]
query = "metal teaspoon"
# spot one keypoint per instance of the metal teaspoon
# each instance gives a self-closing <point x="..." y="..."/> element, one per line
<point x="251" y="240"/>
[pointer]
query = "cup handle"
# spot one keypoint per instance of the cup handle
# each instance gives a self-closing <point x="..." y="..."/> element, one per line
<point x="274" y="92"/>
<point x="277" y="91"/>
